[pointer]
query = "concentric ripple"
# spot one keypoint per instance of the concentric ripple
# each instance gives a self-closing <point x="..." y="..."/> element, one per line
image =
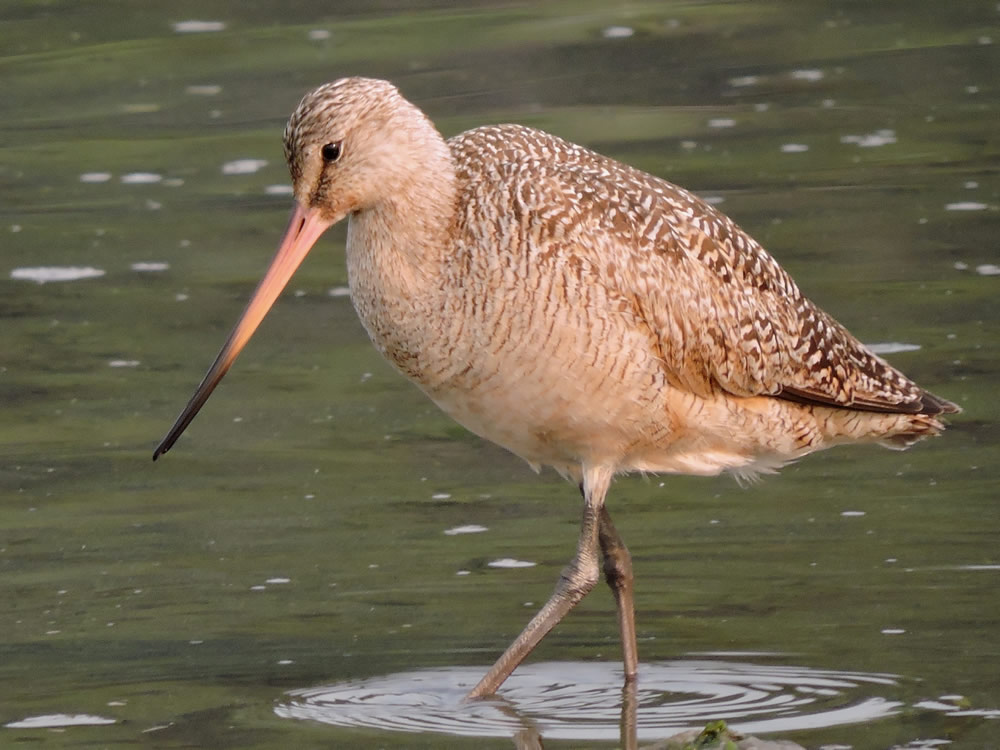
<point x="580" y="700"/>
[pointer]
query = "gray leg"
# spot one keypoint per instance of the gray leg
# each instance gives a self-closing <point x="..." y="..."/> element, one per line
<point x="576" y="581"/>
<point x="618" y="574"/>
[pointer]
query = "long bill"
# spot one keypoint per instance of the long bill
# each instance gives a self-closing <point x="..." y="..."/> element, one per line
<point x="304" y="228"/>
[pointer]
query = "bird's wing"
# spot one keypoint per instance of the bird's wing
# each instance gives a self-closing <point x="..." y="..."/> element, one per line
<point x="726" y="315"/>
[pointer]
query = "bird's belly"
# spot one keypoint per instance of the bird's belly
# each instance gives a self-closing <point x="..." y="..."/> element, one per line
<point x="570" y="389"/>
<point x="621" y="412"/>
<point x="563" y="404"/>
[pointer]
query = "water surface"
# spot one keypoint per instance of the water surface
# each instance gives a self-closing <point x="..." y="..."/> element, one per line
<point x="297" y="538"/>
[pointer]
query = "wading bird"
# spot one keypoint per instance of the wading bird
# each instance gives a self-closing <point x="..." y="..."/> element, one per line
<point x="579" y="312"/>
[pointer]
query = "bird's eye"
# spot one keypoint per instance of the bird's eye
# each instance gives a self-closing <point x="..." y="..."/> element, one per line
<point x="331" y="152"/>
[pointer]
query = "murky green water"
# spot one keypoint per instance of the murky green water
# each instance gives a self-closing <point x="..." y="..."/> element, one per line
<point x="295" y="538"/>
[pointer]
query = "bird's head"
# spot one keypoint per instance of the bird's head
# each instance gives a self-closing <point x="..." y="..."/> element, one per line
<point x="349" y="144"/>
<point x="353" y="142"/>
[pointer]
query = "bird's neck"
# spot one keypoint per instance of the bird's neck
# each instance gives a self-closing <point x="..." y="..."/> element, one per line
<point x="397" y="250"/>
<point x="410" y="227"/>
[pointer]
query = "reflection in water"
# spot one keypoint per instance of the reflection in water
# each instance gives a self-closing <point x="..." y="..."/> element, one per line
<point x="584" y="701"/>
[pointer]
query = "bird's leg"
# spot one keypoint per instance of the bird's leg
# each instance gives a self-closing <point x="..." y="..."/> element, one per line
<point x="618" y="574"/>
<point x="575" y="582"/>
<point x="627" y="723"/>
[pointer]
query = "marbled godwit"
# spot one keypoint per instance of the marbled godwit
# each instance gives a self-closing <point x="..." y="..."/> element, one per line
<point x="576" y="311"/>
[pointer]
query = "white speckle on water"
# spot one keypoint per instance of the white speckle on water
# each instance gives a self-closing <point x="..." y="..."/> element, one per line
<point x="243" y="166"/>
<point x="953" y="710"/>
<point x="988" y="269"/>
<point x="971" y="89"/>
<point x="722" y="122"/>
<point x="871" y="140"/>
<point x="892" y="631"/>
<point x="149" y="266"/>
<point x="713" y="200"/>
<point x="618" y="32"/>
<point x="793" y="148"/>
<point x="892" y="347"/>
<point x="278" y="580"/>
<point x="15" y="228"/>
<point x="258" y="587"/>
<point x="510" y="562"/>
<point x="208" y="89"/>
<point x="181" y="297"/>
<point x="45" y="274"/>
<point x="115" y="704"/>
<point x="440" y="496"/>
<point x="467" y="529"/>
<point x="741" y="81"/>
<point x="95" y="177"/>
<point x="985" y="40"/>
<point x="890" y="559"/>
<point x="285" y="662"/>
<point x="196" y="642"/>
<point x="462" y="572"/>
<point x="198" y="27"/>
<point x="960" y="266"/>
<point x="965" y="206"/>
<point x="279" y="190"/>
<point x="807" y="74"/>
<point x="141" y="178"/>
<point x="339" y="291"/>
<point x="970" y="184"/>
<point x="123" y="363"/>
<point x="828" y="103"/>
<point x="978" y="567"/>
<point x="852" y="513"/>
<point x="50" y="721"/>
<point x="318" y="35"/>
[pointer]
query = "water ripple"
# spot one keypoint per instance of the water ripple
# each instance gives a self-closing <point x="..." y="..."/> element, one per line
<point x="582" y="701"/>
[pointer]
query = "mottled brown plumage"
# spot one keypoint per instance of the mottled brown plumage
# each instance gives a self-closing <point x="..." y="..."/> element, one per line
<point x="575" y="310"/>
